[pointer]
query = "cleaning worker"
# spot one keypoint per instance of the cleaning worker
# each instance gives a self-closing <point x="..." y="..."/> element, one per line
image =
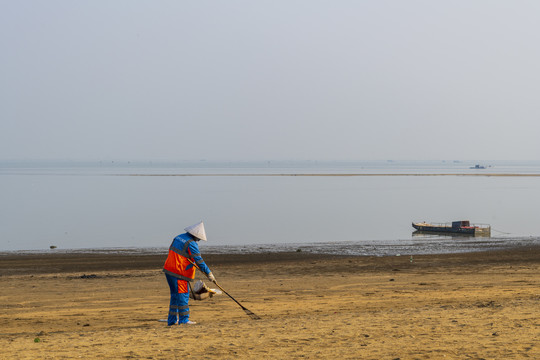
<point x="179" y="271"/>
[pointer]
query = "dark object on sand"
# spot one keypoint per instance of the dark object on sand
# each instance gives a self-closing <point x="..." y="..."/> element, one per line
<point x="462" y="227"/>
<point x="91" y="276"/>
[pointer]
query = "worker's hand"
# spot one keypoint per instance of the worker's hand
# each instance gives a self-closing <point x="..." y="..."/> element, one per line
<point x="212" y="277"/>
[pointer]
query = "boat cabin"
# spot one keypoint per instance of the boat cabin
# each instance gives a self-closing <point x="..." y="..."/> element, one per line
<point x="461" y="224"/>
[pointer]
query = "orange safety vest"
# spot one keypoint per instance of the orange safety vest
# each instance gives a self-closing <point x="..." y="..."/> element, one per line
<point x="177" y="263"/>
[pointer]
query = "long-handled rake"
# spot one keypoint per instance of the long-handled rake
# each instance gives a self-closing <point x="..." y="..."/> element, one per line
<point x="250" y="313"/>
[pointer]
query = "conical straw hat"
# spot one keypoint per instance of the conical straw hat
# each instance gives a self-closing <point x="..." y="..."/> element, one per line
<point x="197" y="230"/>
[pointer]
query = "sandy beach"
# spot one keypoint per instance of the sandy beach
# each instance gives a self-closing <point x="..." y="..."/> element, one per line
<point x="457" y="306"/>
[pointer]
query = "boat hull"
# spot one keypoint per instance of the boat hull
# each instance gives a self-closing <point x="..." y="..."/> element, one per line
<point x="469" y="230"/>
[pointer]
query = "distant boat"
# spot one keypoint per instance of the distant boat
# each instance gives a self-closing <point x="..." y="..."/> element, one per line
<point x="477" y="166"/>
<point x="463" y="227"/>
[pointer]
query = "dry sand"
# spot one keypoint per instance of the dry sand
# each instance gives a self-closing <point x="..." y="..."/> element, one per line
<point x="460" y="306"/>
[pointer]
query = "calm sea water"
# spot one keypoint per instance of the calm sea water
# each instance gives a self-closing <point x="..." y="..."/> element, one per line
<point x="350" y="207"/>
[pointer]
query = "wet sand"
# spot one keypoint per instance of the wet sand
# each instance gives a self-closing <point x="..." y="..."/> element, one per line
<point x="457" y="306"/>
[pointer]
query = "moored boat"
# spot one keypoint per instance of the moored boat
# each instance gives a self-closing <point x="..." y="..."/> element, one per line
<point x="463" y="227"/>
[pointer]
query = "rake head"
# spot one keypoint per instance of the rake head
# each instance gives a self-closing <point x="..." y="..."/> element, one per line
<point x="251" y="314"/>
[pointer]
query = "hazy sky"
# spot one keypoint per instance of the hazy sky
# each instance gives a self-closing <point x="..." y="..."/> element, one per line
<point x="270" y="80"/>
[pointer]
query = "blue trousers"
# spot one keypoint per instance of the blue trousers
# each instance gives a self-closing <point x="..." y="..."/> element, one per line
<point x="178" y="308"/>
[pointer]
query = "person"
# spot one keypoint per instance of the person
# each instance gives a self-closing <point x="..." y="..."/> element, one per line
<point x="179" y="270"/>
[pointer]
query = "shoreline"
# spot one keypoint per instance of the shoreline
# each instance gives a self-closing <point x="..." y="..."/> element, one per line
<point x="446" y="244"/>
<point x="49" y="263"/>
